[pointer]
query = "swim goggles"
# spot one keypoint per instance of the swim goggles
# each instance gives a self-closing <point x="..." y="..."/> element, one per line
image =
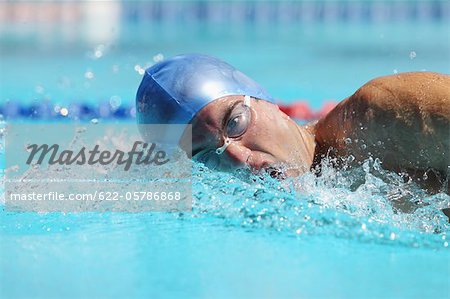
<point x="237" y="124"/>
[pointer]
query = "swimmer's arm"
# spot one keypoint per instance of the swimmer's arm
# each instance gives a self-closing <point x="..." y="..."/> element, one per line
<point x="404" y="120"/>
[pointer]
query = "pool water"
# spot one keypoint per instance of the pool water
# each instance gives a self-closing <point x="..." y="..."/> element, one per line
<point x="334" y="236"/>
<point x="242" y="240"/>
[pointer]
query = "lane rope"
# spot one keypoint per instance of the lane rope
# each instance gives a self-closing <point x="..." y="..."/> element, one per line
<point x="299" y="110"/>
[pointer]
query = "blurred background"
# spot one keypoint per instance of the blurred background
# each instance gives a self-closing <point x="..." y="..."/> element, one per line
<point x="86" y="59"/>
<point x="68" y="61"/>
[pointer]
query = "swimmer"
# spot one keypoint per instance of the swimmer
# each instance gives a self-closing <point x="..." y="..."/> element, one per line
<point x="402" y="119"/>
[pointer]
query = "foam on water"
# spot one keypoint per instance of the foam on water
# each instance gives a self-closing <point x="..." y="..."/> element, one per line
<point x="356" y="204"/>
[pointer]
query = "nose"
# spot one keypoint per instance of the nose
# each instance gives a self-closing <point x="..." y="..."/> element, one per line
<point x="236" y="155"/>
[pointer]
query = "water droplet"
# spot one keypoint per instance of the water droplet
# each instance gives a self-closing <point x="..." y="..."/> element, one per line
<point x="392" y="236"/>
<point x="89" y="75"/>
<point x="377" y="164"/>
<point x="133" y="112"/>
<point x="445" y="244"/>
<point x="158" y="57"/>
<point x="412" y="55"/>
<point x="94" y="121"/>
<point x="139" y="69"/>
<point x="366" y="166"/>
<point x="64" y="111"/>
<point x="395" y="71"/>
<point x="348" y="141"/>
<point x="98" y="54"/>
<point x="363" y="226"/>
<point x="363" y="146"/>
<point x="115" y="102"/>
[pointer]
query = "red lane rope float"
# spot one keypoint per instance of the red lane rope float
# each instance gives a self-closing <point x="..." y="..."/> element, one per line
<point x="300" y="110"/>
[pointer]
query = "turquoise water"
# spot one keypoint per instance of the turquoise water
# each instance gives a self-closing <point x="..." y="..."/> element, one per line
<point x="241" y="240"/>
<point x="313" y="61"/>
<point x="338" y="237"/>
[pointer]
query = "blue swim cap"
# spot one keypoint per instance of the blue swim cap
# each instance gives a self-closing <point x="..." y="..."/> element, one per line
<point x="174" y="90"/>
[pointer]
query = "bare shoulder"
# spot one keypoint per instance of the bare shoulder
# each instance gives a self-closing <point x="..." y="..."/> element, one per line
<point x="403" y="119"/>
<point x="414" y="90"/>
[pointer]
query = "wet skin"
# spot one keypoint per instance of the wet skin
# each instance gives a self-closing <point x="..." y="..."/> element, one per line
<point x="404" y="120"/>
<point x="272" y="138"/>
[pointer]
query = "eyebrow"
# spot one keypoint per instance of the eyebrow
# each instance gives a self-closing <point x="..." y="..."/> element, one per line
<point x="225" y="118"/>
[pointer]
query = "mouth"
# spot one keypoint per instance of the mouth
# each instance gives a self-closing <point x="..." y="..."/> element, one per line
<point x="273" y="172"/>
<point x="266" y="167"/>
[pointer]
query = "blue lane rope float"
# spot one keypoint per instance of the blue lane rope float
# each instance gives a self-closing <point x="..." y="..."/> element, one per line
<point x="11" y="110"/>
<point x="82" y="111"/>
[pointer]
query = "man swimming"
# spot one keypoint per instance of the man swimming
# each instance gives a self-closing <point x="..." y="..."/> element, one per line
<point x="403" y="120"/>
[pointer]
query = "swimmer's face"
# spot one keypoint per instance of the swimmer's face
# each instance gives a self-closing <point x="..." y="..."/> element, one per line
<point x="261" y="137"/>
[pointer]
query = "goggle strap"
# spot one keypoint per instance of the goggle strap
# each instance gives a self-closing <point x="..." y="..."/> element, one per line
<point x="247" y="101"/>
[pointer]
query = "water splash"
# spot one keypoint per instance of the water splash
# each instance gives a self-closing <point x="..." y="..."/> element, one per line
<point x="365" y="203"/>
